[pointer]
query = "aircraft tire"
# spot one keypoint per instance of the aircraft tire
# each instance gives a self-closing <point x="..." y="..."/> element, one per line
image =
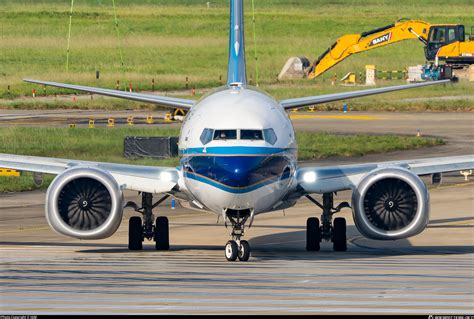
<point x="244" y="251"/>
<point x="339" y="234"/>
<point x="162" y="238"/>
<point x="313" y="234"/>
<point x="231" y="250"/>
<point x="135" y="233"/>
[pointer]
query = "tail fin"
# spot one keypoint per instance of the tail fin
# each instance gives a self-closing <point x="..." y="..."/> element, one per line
<point x="236" y="72"/>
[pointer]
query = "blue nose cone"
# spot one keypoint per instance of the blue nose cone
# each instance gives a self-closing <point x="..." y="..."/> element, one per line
<point x="240" y="171"/>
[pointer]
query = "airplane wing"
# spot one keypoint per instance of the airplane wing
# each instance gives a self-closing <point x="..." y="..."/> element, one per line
<point x="344" y="177"/>
<point x="165" y="101"/>
<point x="148" y="179"/>
<point x="319" y="99"/>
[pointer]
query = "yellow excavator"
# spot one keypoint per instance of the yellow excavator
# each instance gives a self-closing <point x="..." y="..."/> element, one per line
<point x="443" y="42"/>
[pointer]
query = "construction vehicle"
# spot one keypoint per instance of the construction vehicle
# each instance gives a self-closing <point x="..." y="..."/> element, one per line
<point x="443" y="42"/>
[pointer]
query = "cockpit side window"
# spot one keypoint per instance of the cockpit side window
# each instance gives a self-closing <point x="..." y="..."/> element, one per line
<point x="270" y="136"/>
<point x="251" y="135"/>
<point x="206" y="135"/>
<point x="225" y="135"/>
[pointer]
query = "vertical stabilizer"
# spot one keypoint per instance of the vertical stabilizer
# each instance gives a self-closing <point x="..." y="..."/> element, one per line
<point x="236" y="69"/>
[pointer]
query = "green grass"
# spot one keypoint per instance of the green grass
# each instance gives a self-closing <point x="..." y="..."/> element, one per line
<point x="324" y="145"/>
<point x="169" y="40"/>
<point x="99" y="144"/>
<point x="398" y="101"/>
<point x="106" y="145"/>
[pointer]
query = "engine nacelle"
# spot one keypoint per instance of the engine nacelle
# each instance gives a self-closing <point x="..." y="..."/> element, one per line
<point x="390" y="203"/>
<point x="84" y="203"/>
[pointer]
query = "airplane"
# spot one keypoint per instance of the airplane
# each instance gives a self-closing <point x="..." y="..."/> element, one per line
<point x="238" y="159"/>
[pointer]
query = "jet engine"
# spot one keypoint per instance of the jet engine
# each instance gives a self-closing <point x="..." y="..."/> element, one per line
<point x="84" y="203"/>
<point x="390" y="203"/>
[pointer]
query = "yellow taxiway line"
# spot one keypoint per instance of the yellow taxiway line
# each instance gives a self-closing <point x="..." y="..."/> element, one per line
<point x="338" y="117"/>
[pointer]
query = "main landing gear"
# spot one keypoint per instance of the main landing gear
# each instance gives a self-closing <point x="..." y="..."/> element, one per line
<point x="140" y="228"/>
<point x="329" y="230"/>
<point x="237" y="248"/>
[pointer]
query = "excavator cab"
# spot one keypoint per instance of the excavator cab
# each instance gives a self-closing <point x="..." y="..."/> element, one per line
<point x="441" y="35"/>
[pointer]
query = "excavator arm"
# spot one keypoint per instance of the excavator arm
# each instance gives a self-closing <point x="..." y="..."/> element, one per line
<point x="354" y="43"/>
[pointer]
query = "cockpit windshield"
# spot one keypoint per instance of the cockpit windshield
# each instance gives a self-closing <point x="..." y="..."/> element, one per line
<point x="251" y="135"/>
<point x="206" y="136"/>
<point x="268" y="135"/>
<point x="225" y="134"/>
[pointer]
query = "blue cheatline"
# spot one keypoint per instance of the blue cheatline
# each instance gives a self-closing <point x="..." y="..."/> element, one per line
<point x="235" y="150"/>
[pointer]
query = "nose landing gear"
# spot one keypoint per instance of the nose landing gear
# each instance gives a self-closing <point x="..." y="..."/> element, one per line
<point x="328" y="230"/>
<point x="139" y="229"/>
<point x="237" y="248"/>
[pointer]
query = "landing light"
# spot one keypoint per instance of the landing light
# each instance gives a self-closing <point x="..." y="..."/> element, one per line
<point x="309" y="177"/>
<point x="166" y="176"/>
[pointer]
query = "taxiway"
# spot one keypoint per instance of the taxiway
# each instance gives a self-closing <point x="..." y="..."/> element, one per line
<point x="432" y="273"/>
<point x="45" y="273"/>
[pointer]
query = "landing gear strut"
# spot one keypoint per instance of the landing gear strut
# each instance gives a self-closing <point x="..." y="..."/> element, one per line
<point x="146" y="227"/>
<point x="237" y="248"/>
<point x="328" y="230"/>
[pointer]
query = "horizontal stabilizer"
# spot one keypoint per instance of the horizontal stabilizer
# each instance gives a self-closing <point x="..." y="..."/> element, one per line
<point x="165" y="101"/>
<point x="326" y="98"/>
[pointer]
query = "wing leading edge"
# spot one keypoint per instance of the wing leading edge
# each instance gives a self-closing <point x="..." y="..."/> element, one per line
<point x="344" y="177"/>
<point x="148" y="179"/>
<point x="165" y="101"/>
<point x="319" y="99"/>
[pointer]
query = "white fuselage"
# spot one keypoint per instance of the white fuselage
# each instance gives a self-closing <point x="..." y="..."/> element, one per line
<point x="237" y="172"/>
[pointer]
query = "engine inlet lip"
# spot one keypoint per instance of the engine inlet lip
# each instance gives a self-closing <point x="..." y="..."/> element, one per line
<point x="52" y="196"/>
<point x="398" y="173"/>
